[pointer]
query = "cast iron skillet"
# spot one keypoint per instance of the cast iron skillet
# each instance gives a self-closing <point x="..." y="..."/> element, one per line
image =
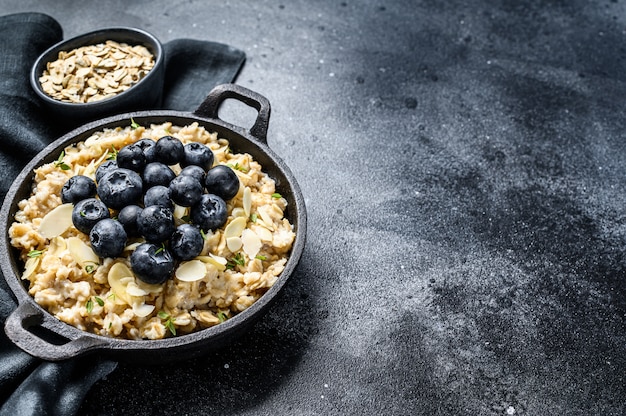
<point x="40" y="334"/>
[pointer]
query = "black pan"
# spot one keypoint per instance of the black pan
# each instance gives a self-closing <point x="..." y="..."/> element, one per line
<point x="40" y="334"/>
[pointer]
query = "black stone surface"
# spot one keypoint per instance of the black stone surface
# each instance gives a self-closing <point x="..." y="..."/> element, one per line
<point x="463" y="168"/>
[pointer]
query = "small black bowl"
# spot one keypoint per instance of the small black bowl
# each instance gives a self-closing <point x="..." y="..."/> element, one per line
<point x="144" y="95"/>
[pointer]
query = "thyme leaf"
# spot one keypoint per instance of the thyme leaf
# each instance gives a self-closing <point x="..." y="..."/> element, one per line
<point x="59" y="163"/>
<point x="169" y="321"/>
<point x="160" y="249"/>
<point x="113" y="154"/>
<point x="236" y="260"/>
<point x="222" y="316"/>
<point x="34" y="253"/>
<point x="238" y="167"/>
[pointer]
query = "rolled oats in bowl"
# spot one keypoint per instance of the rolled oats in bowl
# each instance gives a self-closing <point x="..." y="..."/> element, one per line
<point x="95" y="72"/>
<point x="236" y="262"/>
<point x="100" y="73"/>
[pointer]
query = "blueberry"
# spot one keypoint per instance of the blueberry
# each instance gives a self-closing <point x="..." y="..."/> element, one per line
<point x="156" y="223"/>
<point x="147" y="146"/>
<point x="222" y="181"/>
<point x="77" y="188"/>
<point x="104" y="168"/>
<point x="152" y="263"/>
<point x="119" y="188"/>
<point x="186" y="243"/>
<point x="157" y="173"/>
<point x="108" y="238"/>
<point x="169" y="150"/>
<point x="87" y="213"/>
<point x="131" y="157"/>
<point x="209" y="213"/>
<point x="193" y="171"/>
<point x="128" y="218"/>
<point x="158" y="195"/>
<point x="197" y="154"/>
<point x="185" y="190"/>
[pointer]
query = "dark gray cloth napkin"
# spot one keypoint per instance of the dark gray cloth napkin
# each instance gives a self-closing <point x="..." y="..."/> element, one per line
<point x="29" y="386"/>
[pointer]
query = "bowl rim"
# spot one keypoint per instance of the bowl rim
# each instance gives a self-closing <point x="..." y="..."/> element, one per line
<point x="148" y="39"/>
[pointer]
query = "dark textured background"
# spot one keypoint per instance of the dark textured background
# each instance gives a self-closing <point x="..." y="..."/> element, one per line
<point x="463" y="168"/>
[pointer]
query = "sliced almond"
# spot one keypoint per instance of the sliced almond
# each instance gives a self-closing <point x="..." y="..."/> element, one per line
<point x="57" y="246"/>
<point x="263" y="233"/>
<point x="251" y="243"/>
<point x="216" y="261"/>
<point x="132" y="247"/>
<point x="149" y="288"/>
<point x="247" y="201"/>
<point x="57" y="221"/>
<point x="266" y="217"/>
<point x="238" y="212"/>
<point x="31" y="265"/>
<point x="142" y="309"/>
<point x="119" y="276"/>
<point x="179" y="211"/>
<point x="191" y="271"/>
<point x="235" y="227"/>
<point x="90" y="170"/>
<point x="234" y="243"/>
<point x="134" y="290"/>
<point x="82" y="253"/>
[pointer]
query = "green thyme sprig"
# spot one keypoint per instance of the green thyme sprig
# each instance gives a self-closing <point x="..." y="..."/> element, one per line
<point x="113" y="154"/>
<point x="59" y="163"/>
<point x="160" y="249"/>
<point x="134" y="124"/>
<point x="236" y="260"/>
<point x="169" y="321"/>
<point x="222" y="316"/>
<point x="34" y="253"/>
<point x="89" y="304"/>
<point x="238" y="167"/>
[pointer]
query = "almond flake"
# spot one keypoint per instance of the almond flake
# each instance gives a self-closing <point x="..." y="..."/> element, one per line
<point x="82" y="254"/>
<point x="216" y="261"/>
<point x="251" y="243"/>
<point x="247" y="200"/>
<point x="191" y="271"/>
<point x="57" y="221"/>
<point x="134" y="290"/>
<point x="235" y="227"/>
<point x="234" y="243"/>
<point x="142" y="310"/>
<point x="30" y="267"/>
<point x="119" y="276"/>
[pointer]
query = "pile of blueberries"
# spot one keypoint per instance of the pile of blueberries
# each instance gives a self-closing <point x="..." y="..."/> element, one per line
<point x="141" y="188"/>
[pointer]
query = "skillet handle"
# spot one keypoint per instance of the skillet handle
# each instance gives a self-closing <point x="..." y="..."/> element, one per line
<point x="26" y="316"/>
<point x="212" y="102"/>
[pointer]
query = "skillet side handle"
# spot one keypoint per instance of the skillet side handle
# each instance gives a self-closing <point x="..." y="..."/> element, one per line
<point x="26" y="316"/>
<point x="211" y="104"/>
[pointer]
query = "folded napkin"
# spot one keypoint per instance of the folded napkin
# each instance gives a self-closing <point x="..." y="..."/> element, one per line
<point x="29" y="386"/>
